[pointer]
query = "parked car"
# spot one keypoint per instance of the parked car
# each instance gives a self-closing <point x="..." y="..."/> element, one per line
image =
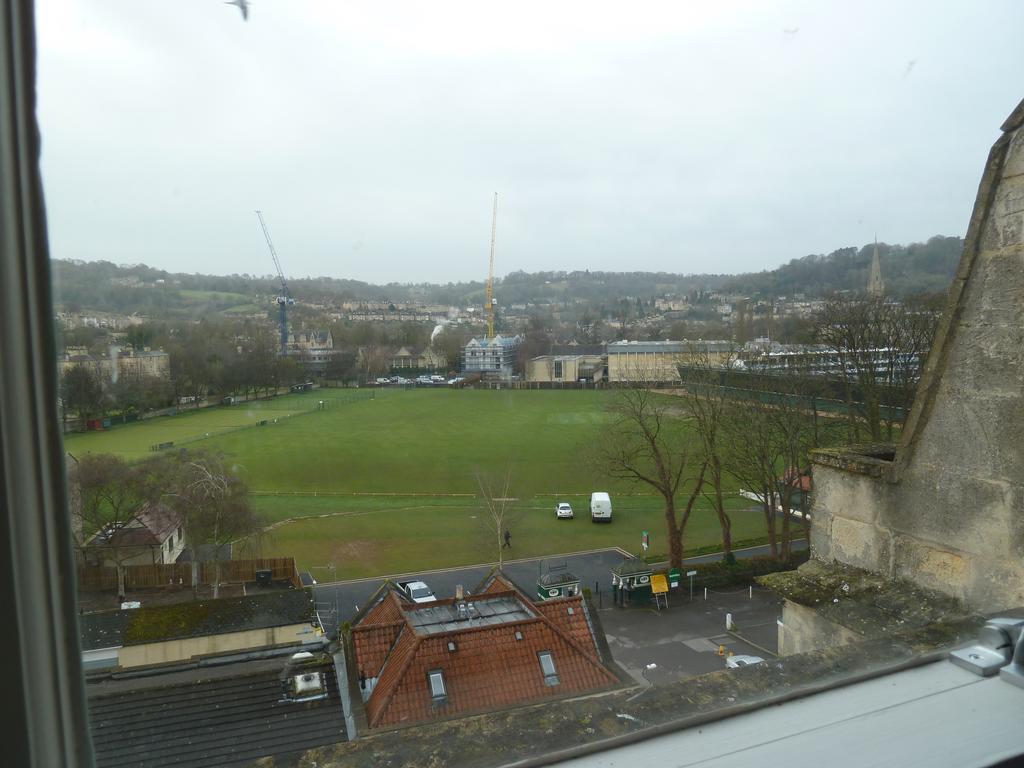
<point x="735" y="662"/>
<point x="437" y="379"/>
<point x="383" y="381"/>
<point x="425" y="380"/>
<point x="417" y="591"/>
<point x="563" y="511"/>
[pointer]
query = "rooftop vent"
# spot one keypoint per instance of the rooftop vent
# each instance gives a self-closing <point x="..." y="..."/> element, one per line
<point x="303" y="678"/>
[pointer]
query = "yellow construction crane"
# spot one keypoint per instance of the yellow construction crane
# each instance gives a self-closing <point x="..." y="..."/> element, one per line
<point x="490" y="273"/>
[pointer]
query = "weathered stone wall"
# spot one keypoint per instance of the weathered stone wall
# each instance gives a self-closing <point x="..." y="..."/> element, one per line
<point x="948" y="512"/>
<point x="804" y="629"/>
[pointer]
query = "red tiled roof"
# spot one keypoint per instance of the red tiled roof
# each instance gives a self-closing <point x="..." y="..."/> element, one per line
<point x="800" y="481"/>
<point x="497" y="585"/>
<point x="489" y="668"/>
<point x="573" y="624"/>
<point x="372" y="645"/>
<point x="387" y="611"/>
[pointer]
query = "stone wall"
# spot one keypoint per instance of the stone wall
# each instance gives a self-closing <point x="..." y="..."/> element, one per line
<point x="946" y="511"/>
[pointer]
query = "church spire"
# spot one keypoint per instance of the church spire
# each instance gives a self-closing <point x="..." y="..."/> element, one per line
<point x="875" y="285"/>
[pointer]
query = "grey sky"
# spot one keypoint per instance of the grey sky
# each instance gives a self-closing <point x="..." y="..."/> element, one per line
<point x="677" y="136"/>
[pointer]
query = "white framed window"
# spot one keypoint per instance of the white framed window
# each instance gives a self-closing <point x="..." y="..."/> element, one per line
<point x="547" y="667"/>
<point x="438" y="687"/>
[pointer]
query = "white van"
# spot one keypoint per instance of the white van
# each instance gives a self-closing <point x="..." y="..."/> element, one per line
<point x="600" y="507"/>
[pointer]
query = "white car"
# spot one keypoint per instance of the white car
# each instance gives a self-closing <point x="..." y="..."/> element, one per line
<point x="563" y="511"/>
<point x="735" y="662"/>
<point x="417" y="591"/>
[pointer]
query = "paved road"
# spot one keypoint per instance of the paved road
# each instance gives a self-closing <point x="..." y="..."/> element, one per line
<point x="593" y="568"/>
<point x="684" y="639"/>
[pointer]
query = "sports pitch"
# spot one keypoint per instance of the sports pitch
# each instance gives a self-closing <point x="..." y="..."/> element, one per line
<point x="381" y="481"/>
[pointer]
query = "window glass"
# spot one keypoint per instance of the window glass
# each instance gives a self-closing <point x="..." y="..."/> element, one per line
<point x="718" y="239"/>
<point x="437" y="689"/>
<point x="547" y="666"/>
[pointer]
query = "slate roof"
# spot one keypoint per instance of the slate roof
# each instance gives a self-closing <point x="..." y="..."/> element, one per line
<point x="224" y="716"/>
<point x="102" y="629"/>
<point x="490" y="667"/>
<point x="158" y="520"/>
<point x="150" y="527"/>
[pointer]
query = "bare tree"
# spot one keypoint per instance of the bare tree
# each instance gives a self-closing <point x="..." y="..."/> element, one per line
<point x="214" y="503"/>
<point x="752" y="456"/>
<point x="646" y="443"/>
<point x="880" y="347"/>
<point x="499" y="511"/>
<point x="707" y="405"/>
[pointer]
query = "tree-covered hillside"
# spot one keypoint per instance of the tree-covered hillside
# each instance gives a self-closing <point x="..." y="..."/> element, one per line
<point x="906" y="269"/>
<point x="104" y="287"/>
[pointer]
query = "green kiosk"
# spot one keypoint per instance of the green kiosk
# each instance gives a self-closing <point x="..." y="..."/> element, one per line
<point x="557" y="583"/>
<point x="631" y="582"/>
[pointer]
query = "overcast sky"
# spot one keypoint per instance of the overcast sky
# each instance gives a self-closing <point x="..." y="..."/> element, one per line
<point x="677" y="136"/>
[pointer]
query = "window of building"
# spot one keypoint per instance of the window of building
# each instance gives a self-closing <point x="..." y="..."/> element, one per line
<point x="438" y="689"/>
<point x="558" y="369"/>
<point x="547" y="667"/>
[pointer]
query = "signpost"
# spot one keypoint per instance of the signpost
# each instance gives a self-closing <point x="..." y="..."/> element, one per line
<point x="659" y="588"/>
<point x="691" y="574"/>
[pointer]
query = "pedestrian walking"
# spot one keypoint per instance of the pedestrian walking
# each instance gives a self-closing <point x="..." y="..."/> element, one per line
<point x="508" y="539"/>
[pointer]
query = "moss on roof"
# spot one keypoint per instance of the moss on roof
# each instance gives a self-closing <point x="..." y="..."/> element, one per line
<point x="866" y="602"/>
<point x="212" y="617"/>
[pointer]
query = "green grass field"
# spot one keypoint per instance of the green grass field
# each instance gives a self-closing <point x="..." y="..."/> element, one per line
<point x="369" y="537"/>
<point x="133" y="441"/>
<point x="424" y="449"/>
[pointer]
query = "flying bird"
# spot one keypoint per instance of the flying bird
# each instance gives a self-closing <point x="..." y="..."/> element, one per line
<point x="910" y="68"/>
<point x="790" y="31"/>
<point x="243" y="6"/>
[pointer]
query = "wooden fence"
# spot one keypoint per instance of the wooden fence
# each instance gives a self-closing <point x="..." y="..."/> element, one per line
<point x="104" y="577"/>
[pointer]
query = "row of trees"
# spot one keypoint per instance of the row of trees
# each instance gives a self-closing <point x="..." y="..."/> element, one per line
<point x="200" y="491"/>
<point x="692" y="448"/>
<point x="757" y="431"/>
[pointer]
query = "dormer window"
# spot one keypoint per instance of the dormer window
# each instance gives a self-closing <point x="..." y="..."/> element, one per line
<point x="547" y="667"/>
<point x="438" y="688"/>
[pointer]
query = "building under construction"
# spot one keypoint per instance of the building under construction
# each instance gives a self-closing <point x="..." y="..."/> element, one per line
<point x="491" y="359"/>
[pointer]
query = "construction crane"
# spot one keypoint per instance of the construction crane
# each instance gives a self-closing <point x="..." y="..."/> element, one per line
<point x="490" y="274"/>
<point x="283" y="299"/>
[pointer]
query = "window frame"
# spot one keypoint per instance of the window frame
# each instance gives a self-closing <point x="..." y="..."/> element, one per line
<point x="550" y="677"/>
<point x="44" y="694"/>
<point x="436" y="698"/>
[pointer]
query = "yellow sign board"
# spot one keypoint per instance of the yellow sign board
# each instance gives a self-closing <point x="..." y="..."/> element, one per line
<point x="659" y="583"/>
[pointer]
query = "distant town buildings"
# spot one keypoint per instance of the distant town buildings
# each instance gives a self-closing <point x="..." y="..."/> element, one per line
<point x="127" y="362"/>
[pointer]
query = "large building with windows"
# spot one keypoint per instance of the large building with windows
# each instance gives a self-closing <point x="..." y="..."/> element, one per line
<point x="127" y="362"/>
<point x="659" y="361"/>
<point x="491" y="358"/>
